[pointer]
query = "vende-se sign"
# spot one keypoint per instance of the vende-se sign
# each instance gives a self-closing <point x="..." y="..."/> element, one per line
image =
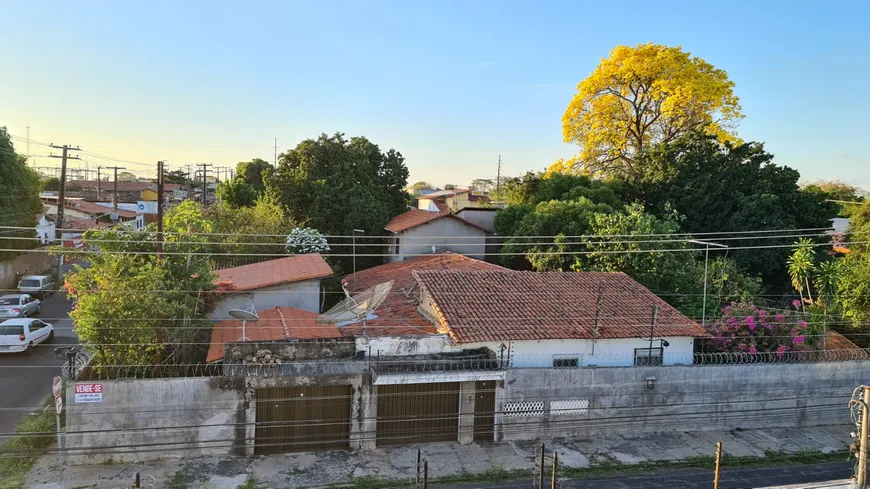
<point x="85" y="393"/>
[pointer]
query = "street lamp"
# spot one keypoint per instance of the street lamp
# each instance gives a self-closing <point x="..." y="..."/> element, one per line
<point x="707" y="244"/>
<point x="354" y="254"/>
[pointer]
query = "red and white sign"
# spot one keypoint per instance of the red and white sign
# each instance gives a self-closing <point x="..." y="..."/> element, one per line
<point x="58" y="405"/>
<point x="85" y="393"/>
<point x="57" y="386"/>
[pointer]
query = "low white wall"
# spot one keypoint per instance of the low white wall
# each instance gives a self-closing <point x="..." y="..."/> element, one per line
<point x="146" y="419"/>
<point x="303" y="295"/>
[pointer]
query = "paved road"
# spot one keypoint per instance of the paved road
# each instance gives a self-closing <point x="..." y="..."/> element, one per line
<point x="730" y="479"/>
<point x="25" y="380"/>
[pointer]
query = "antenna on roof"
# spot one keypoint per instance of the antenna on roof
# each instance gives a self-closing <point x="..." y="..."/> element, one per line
<point x="357" y="307"/>
<point x="245" y="315"/>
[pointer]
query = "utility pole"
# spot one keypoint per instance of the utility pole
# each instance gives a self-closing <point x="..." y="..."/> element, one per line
<point x="99" y="184"/>
<point x="707" y="244"/>
<point x="204" y="188"/>
<point x="865" y="430"/>
<point x="159" y="209"/>
<point x="275" y="162"/>
<point x="115" y="189"/>
<point x="498" y="176"/>
<point x="189" y="183"/>
<point x="61" y="203"/>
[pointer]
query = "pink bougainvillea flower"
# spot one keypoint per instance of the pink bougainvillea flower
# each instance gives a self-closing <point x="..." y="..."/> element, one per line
<point x="752" y="349"/>
<point x="796" y="303"/>
<point x="803" y="324"/>
<point x="750" y="321"/>
<point x="768" y="326"/>
<point x="780" y="351"/>
<point x="797" y="340"/>
<point x="779" y="318"/>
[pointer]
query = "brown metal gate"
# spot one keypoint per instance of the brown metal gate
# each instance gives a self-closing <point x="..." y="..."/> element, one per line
<point x="418" y="413"/>
<point x="302" y="419"/>
<point x="484" y="410"/>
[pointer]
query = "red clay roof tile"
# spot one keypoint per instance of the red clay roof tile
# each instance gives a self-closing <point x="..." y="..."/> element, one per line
<point x="277" y="323"/>
<point x="475" y="306"/>
<point x="273" y="272"/>
<point x="417" y="217"/>
<point x="397" y="315"/>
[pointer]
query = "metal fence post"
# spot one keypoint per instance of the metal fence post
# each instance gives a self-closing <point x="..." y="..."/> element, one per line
<point x="541" y="476"/>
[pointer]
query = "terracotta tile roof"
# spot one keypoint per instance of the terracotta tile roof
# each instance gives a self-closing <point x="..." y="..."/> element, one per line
<point x="273" y="272"/>
<point x="77" y="223"/>
<point x="398" y="315"/>
<point x="478" y="306"/>
<point x="278" y="323"/>
<point x="89" y="207"/>
<point x="418" y="217"/>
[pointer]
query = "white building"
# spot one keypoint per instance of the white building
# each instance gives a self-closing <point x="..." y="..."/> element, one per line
<point x="293" y="281"/>
<point x="419" y="232"/>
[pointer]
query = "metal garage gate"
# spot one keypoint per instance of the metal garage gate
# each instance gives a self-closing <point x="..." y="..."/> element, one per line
<point x="302" y="419"/>
<point x="418" y="413"/>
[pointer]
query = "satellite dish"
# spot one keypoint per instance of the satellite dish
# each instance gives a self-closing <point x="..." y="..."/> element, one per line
<point x="358" y="307"/>
<point x="245" y="315"/>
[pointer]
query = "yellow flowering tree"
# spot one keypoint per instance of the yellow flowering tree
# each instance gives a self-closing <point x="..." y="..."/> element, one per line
<point x="641" y="96"/>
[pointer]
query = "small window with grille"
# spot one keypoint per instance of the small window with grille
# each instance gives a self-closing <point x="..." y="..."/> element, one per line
<point x="644" y="357"/>
<point x="566" y="362"/>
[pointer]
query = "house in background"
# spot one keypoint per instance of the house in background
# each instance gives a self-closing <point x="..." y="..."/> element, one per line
<point x="91" y="211"/>
<point x="293" y="281"/>
<point x="452" y="200"/>
<point x="482" y="216"/>
<point x="417" y="232"/>
<point x="45" y="229"/>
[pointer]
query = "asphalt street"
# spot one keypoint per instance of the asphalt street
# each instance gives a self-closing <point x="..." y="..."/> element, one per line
<point x="736" y="478"/>
<point x="25" y="379"/>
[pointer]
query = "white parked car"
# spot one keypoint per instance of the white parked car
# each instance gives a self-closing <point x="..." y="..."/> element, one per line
<point x="18" y="306"/>
<point x="17" y="335"/>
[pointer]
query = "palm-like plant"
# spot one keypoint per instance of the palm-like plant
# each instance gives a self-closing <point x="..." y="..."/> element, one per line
<point x="825" y="281"/>
<point x="800" y="265"/>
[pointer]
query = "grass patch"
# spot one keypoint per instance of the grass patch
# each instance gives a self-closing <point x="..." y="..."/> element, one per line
<point x="250" y="483"/>
<point x="178" y="481"/>
<point x="19" y="453"/>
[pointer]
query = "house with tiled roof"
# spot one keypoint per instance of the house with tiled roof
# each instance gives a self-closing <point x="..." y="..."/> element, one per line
<point x="292" y="281"/>
<point x="419" y="232"/>
<point x="274" y="324"/>
<point x="452" y="200"/>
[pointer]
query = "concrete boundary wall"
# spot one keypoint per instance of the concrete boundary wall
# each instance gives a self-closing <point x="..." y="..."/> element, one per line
<point x="541" y="403"/>
<point x="146" y="419"/>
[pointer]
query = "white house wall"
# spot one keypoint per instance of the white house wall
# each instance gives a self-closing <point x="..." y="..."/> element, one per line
<point x="444" y="234"/>
<point x="303" y="295"/>
<point x="482" y="217"/>
<point x="537" y="354"/>
<point x="600" y="353"/>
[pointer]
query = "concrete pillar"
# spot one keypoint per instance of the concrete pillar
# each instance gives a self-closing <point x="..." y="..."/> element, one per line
<point x="467" y="395"/>
<point x="250" y="413"/>
<point x="364" y="416"/>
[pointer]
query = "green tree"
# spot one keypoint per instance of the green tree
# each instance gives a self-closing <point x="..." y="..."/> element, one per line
<point x="801" y="264"/>
<point x="641" y="96"/>
<point x="450" y="186"/>
<point x="134" y="307"/>
<point x="718" y="187"/>
<point x="178" y="177"/>
<point x="336" y="185"/>
<point x="416" y="187"/>
<point x="236" y="193"/>
<point x="838" y="191"/>
<point x="255" y="173"/>
<point x="19" y="198"/>
<point x="517" y="190"/>
<point x="126" y="176"/>
<point x="853" y="289"/>
<point x="51" y="183"/>
<point x="251" y="233"/>
<point x="482" y="184"/>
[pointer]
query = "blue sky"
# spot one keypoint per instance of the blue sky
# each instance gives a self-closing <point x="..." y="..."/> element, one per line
<point x="449" y="84"/>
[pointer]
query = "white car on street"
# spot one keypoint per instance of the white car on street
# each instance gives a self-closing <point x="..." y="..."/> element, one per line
<point x="21" y="335"/>
<point x="18" y="306"/>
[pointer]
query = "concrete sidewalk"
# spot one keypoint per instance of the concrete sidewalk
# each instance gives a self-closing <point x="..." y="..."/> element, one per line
<point x="445" y="459"/>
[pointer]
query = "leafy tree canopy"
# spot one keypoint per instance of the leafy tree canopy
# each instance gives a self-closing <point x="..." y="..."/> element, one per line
<point x="482" y="184"/>
<point x="839" y="191"/>
<point x="517" y="190"/>
<point x="255" y="173"/>
<point x="336" y="185"/>
<point x="718" y="187"/>
<point x="19" y="196"/>
<point x="176" y="176"/>
<point x="641" y="96"/>
<point x="126" y="176"/>
<point x="236" y="193"/>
